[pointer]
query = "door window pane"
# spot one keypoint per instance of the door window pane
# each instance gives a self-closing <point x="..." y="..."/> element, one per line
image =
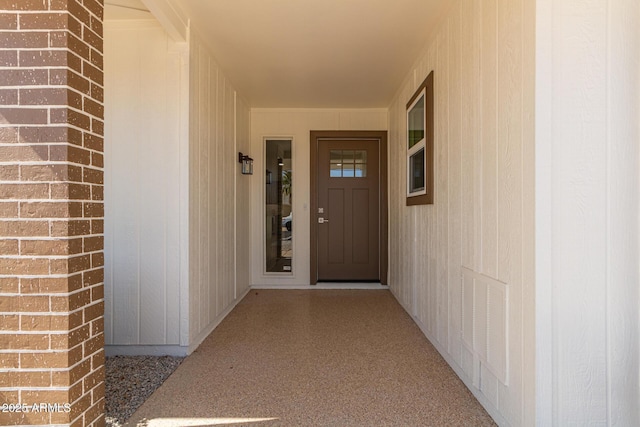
<point x="360" y="156"/>
<point x="348" y="163"/>
<point x="335" y="156"/>
<point x="348" y="170"/>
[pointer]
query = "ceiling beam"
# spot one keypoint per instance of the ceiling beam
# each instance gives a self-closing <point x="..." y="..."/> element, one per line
<point x="172" y="19"/>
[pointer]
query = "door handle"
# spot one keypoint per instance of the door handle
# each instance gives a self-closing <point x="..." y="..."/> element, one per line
<point x="322" y="220"/>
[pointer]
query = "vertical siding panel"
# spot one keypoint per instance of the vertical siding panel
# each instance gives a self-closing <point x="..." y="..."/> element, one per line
<point x="216" y="216"/>
<point x="455" y="172"/>
<point x="442" y="184"/>
<point x="475" y="22"/>
<point x="489" y="386"/>
<point x="579" y="259"/>
<point x="151" y="148"/>
<point x="622" y="222"/>
<point x="216" y="206"/>
<point x="199" y="201"/>
<point x="394" y="259"/>
<point x="399" y="143"/>
<point x="404" y="291"/>
<point x="206" y="139"/>
<point x="126" y="258"/>
<point x="205" y="196"/>
<point x="243" y="236"/>
<point x="142" y="152"/>
<point x="429" y="216"/>
<point x="467" y="138"/>
<point x="231" y="166"/>
<point x="416" y="284"/>
<point x="587" y="228"/>
<point x="212" y="211"/>
<point x="226" y="224"/>
<point x="489" y="139"/>
<point x="531" y="378"/>
<point x="194" y="191"/>
<point x="509" y="137"/>
<point x="510" y="171"/>
<point x="394" y="195"/>
<point x="217" y="259"/>
<point x="172" y="201"/>
<point x="220" y="221"/>
<point x="400" y="200"/>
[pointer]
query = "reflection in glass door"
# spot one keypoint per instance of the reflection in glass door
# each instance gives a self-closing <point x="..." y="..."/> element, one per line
<point x="278" y="206"/>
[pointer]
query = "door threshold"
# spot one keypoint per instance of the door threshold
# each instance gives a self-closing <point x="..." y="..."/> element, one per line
<point x="349" y="285"/>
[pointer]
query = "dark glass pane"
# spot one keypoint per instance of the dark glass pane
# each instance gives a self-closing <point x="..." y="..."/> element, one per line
<point x="361" y="171"/>
<point x="278" y="207"/>
<point x="361" y="156"/>
<point x="347" y="156"/>
<point x="335" y="156"/>
<point x="416" y="172"/>
<point x="348" y="170"/>
<point x="416" y="123"/>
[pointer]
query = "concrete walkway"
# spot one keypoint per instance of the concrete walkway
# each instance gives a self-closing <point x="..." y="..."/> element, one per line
<point x="314" y="358"/>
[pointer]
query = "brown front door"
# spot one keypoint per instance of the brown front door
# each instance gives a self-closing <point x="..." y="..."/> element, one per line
<point x="347" y="211"/>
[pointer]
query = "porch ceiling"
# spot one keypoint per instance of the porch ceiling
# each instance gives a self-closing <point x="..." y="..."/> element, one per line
<point x="314" y="53"/>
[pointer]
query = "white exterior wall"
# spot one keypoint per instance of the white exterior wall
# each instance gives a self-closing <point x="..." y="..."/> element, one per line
<point x="145" y="195"/>
<point x="177" y="217"/>
<point x="587" y="212"/>
<point x="243" y="209"/>
<point x="214" y="173"/>
<point x="297" y="125"/>
<point x="463" y="267"/>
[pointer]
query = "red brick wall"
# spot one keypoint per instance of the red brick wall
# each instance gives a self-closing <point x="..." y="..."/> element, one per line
<point x="51" y="210"/>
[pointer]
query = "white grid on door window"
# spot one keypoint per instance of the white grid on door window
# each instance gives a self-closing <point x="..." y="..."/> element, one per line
<point x="348" y="163"/>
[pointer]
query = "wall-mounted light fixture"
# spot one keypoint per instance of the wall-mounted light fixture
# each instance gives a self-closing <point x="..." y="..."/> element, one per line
<point x="247" y="164"/>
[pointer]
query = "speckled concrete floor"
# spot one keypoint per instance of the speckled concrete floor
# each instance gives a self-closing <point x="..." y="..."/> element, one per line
<point x="314" y="358"/>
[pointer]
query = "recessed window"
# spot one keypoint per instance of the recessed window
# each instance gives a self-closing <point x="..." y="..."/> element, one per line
<point x="420" y="145"/>
<point x="348" y="164"/>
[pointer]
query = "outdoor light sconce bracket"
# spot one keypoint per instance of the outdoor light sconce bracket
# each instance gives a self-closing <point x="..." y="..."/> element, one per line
<point x="247" y="164"/>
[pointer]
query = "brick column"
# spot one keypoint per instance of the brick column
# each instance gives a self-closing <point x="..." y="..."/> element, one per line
<point x="51" y="212"/>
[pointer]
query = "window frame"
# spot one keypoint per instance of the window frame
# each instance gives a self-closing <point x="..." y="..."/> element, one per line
<point x="265" y="273"/>
<point x="425" y="195"/>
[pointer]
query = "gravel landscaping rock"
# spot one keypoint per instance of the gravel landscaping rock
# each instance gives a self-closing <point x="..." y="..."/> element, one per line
<point x="130" y="380"/>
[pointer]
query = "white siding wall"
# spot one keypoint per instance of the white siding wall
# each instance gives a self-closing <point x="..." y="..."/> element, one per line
<point x="587" y="212"/>
<point x="464" y="265"/>
<point x="295" y="124"/>
<point x="214" y="172"/>
<point x="243" y="208"/>
<point x="144" y="76"/>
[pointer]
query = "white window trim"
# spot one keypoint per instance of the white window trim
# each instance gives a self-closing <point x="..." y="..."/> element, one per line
<point x="265" y="273"/>
<point x="417" y="146"/>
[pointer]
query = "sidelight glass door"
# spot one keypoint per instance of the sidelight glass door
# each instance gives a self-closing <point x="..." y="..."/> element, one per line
<point x="278" y="206"/>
